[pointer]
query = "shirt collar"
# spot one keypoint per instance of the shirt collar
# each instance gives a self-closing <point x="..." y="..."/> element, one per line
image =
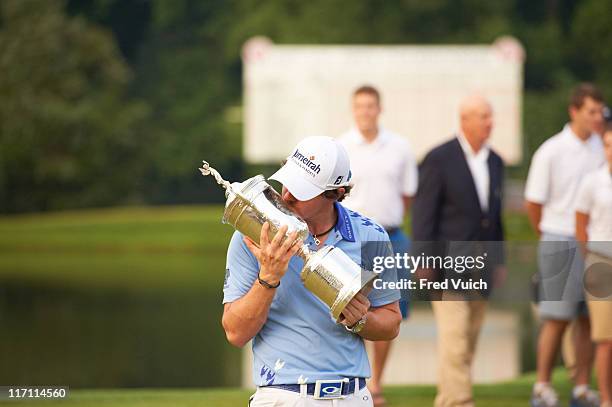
<point x="381" y="137"/>
<point x="344" y="223"/>
<point x="483" y="153"/>
<point x="606" y="173"/>
<point x="569" y="134"/>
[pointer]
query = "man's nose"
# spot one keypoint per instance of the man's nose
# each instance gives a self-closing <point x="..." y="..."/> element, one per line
<point x="287" y="197"/>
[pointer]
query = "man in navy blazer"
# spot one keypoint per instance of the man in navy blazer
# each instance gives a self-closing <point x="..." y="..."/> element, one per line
<point x="459" y="200"/>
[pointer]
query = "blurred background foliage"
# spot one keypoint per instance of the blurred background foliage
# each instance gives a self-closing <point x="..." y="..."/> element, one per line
<point x="107" y="102"/>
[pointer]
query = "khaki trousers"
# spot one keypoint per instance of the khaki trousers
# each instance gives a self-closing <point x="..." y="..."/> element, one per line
<point x="458" y="324"/>
<point x="599" y="270"/>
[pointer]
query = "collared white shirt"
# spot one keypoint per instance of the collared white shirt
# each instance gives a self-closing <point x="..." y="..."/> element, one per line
<point x="557" y="167"/>
<point x="383" y="171"/>
<point x="595" y="199"/>
<point x="477" y="162"/>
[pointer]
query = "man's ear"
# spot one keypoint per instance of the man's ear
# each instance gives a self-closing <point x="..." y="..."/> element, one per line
<point x="572" y="111"/>
<point x="340" y="193"/>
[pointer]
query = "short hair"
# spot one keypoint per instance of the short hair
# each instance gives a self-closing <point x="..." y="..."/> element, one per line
<point x="583" y="91"/>
<point x="335" y="194"/>
<point x="367" y="90"/>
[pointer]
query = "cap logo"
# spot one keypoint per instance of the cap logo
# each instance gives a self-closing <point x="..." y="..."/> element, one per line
<point x="307" y="163"/>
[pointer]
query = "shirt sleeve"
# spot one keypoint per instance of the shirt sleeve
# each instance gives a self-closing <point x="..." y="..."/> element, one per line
<point x="241" y="269"/>
<point x="410" y="175"/>
<point x="539" y="177"/>
<point x="584" y="199"/>
<point x="382" y="296"/>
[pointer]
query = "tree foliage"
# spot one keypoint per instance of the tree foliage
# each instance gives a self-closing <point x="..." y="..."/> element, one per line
<point x="186" y="78"/>
<point x="73" y="133"/>
<point x="67" y="132"/>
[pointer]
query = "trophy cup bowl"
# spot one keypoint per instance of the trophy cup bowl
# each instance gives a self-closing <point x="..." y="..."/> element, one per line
<point x="328" y="273"/>
<point x="253" y="202"/>
<point x="335" y="279"/>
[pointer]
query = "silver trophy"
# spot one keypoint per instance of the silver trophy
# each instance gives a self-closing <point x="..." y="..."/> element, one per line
<point x="328" y="273"/>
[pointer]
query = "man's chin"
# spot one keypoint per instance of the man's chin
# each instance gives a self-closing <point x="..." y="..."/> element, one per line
<point x="366" y="127"/>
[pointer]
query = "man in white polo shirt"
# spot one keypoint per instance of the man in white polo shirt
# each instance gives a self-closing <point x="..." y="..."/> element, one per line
<point x="557" y="168"/>
<point x="594" y="225"/>
<point x="384" y="175"/>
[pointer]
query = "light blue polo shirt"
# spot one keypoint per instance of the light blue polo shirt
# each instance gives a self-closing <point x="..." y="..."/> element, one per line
<point x="300" y="342"/>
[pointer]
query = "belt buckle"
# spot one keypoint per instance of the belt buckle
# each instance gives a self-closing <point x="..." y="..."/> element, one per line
<point x="330" y="389"/>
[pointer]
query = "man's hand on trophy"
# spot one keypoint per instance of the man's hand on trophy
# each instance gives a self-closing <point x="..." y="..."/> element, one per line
<point x="274" y="256"/>
<point x="355" y="310"/>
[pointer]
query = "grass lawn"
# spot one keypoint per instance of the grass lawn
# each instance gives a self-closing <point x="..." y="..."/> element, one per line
<point x="511" y="394"/>
<point x="134" y="247"/>
<point x="115" y="230"/>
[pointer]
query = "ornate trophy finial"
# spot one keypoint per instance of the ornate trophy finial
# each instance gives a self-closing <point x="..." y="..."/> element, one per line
<point x="206" y="169"/>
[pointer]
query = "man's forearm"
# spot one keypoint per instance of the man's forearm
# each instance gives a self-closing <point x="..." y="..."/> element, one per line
<point x="582" y="236"/>
<point x="244" y="318"/>
<point x="534" y="212"/>
<point x="407" y="201"/>
<point x="382" y="323"/>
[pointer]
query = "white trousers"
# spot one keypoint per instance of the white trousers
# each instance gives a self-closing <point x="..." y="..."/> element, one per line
<point x="271" y="397"/>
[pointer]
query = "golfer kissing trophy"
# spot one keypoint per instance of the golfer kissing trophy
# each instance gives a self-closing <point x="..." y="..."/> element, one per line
<point x="328" y="273"/>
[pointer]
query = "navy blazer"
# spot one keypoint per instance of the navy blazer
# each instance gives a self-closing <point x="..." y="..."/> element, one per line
<point x="446" y="210"/>
<point x="446" y="206"/>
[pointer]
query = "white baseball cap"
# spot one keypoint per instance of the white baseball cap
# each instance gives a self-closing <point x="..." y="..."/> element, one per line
<point x="317" y="164"/>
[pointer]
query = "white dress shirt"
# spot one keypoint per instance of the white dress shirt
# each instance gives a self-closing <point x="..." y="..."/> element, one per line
<point x="557" y="167"/>
<point x="383" y="171"/>
<point x="477" y="162"/>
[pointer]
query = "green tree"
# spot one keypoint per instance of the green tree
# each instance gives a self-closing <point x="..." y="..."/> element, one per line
<point x="191" y="85"/>
<point x="591" y="39"/>
<point x="68" y="134"/>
